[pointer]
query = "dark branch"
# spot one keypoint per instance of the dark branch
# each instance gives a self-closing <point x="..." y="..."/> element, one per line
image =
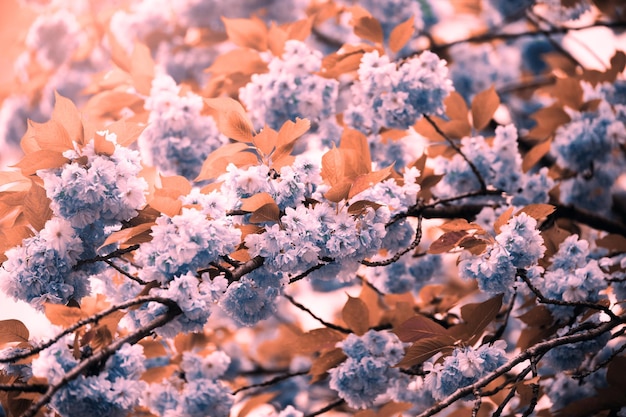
<point x="310" y="313"/>
<point x="270" y="382"/>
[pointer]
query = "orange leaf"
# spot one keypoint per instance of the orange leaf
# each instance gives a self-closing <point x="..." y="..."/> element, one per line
<point x="177" y="183"/>
<point x="240" y="124"/>
<point x="211" y="168"/>
<point x="276" y="38"/>
<point x="359" y="207"/>
<point x="265" y="140"/>
<point x="37" y="207"/>
<point x="401" y="34"/>
<point x="484" y="105"/>
<point x="49" y="136"/>
<point x="102" y="146"/>
<point x="456" y="108"/>
<point x="126" y="132"/>
<point x="333" y="166"/>
<point x="316" y="340"/>
<point x="537" y="211"/>
<point x="245" y="61"/>
<point x="460" y="224"/>
<point x="122" y="236"/>
<point x="61" y="315"/>
<point x="535" y="154"/>
<point x="291" y="131"/>
<point x="166" y="205"/>
<point x="363" y="182"/>
<point x="249" y="33"/>
<point x="356" y="141"/>
<point x="256" y="201"/>
<point x="503" y="219"/>
<point x="13" y="331"/>
<point x="66" y="113"/>
<point x="338" y="192"/>
<point x="142" y="69"/>
<point x="119" y="56"/>
<point x="42" y="159"/>
<point x="356" y="315"/>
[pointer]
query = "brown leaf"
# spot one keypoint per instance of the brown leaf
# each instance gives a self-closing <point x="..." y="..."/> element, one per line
<point x="360" y="207"/>
<point x="356" y="142"/>
<point x="425" y="349"/>
<point x="456" y="107"/>
<point x="266" y="213"/>
<point x="157" y="374"/>
<point x="236" y="126"/>
<point x="265" y="140"/>
<point x="537" y="211"/>
<point x="613" y="242"/>
<point x="13" y="331"/>
<point x="535" y="154"/>
<point x="42" y="159"/>
<point x="484" y="105"/>
<point x="447" y="241"/>
<point x="419" y="327"/>
<point x="316" y="340"/>
<point x="369" y="28"/>
<point x="460" y="224"/>
<point x="401" y="34"/>
<point x="326" y="361"/>
<point x="503" y="219"/>
<point x="276" y="38"/>
<point x="392" y="409"/>
<point x="477" y="317"/>
<point x="356" y="315"/>
<point x="548" y="120"/>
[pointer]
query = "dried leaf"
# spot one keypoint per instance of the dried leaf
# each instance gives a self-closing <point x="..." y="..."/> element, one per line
<point x="456" y="107"/>
<point x="13" y="331"/>
<point x="401" y="34"/>
<point x="360" y="207"/>
<point x="356" y="315"/>
<point x="460" y="224"/>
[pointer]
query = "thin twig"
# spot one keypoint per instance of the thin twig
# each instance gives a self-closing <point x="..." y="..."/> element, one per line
<point x="115" y="254"/>
<point x="397" y="256"/>
<point x="270" y="382"/>
<point x="40" y="388"/>
<point x="100" y="357"/>
<point x="92" y="319"/>
<point x="125" y="273"/>
<point x="326" y="409"/>
<point x="321" y="320"/>
<point x="481" y="180"/>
